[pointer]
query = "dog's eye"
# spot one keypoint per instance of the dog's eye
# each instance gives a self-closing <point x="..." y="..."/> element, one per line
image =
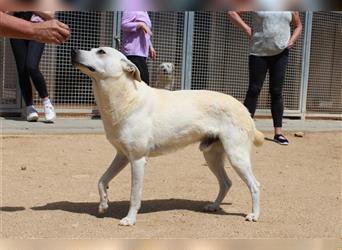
<point x="101" y="52"/>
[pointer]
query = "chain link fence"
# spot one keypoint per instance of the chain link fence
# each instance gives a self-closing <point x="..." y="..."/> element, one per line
<point x="217" y="60"/>
<point x="9" y="94"/>
<point x="69" y="89"/>
<point x="220" y="61"/>
<point x="325" y="72"/>
<point x="168" y="40"/>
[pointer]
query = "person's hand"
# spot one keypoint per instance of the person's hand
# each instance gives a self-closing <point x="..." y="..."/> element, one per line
<point x="290" y="44"/>
<point x="145" y="28"/>
<point x="51" y="31"/>
<point x="249" y="33"/>
<point x="153" y="53"/>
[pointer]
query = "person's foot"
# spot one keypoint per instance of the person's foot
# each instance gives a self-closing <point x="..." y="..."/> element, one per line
<point x="31" y="114"/>
<point x="279" y="138"/>
<point x="49" y="111"/>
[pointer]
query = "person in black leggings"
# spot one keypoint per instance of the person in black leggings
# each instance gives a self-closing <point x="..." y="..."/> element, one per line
<point x="136" y="40"/>
<point x="27" y="54"/>
<point x="258" y="66"/>
<point x="141" y="63"/>
<point x="270" y="40"/>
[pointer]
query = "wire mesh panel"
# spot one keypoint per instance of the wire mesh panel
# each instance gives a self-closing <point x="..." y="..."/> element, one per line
<point x="220" y="60"/>
<point x="220" y="55"/>
<point x="293" y="78"/>
<point x="67" y="86"/>
<point x="8" y="78"/>
<point x="325" y="72"/>
<point x="167" y="40"/>
<point x="168" y="36"/>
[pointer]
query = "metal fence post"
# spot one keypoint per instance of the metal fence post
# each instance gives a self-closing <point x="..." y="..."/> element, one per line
<point x="305" y="63"/>
<point x="5" y="55"/>
<point x="187" y="50"/>
<point x="116" y="28"/>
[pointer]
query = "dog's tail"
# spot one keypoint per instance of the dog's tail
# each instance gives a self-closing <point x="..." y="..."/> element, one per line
<point x="258" y="138"/>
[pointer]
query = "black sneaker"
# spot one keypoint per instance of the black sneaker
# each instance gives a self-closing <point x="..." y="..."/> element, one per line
<point x="280" y="139"/>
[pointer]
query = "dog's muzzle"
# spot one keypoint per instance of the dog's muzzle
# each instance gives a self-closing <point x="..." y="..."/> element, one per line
<point x="75" y="60"/>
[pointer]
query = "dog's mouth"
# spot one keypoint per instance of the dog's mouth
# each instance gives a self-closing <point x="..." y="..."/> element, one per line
<point x="78" y="64"/>
<point x="89" y="67"/>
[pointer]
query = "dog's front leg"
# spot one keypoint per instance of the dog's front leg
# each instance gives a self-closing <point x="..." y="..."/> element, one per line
<point x="119" y="162"/>
<point x="136" y="190"/>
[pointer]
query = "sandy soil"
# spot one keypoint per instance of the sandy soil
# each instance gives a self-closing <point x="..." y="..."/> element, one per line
<point x="49" y="190"/>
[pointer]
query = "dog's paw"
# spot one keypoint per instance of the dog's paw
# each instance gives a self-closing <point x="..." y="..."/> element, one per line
<point x="211" y="208"/>
<point x="252" y="217"/>
<point x="103" y="207"/>
<point x="127" y="221"/>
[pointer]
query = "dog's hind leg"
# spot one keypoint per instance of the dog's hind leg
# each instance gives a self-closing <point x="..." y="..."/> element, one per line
<point x="215" y="158"/>
<point x="238" y="151"/>
<point x="138" y="167"/>
<point x="119" y="162"/>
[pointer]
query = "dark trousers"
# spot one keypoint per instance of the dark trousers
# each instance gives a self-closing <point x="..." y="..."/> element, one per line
<point x="258" y="67"/>
<point x="141" y="64"/>
<point x="27" y="55"/>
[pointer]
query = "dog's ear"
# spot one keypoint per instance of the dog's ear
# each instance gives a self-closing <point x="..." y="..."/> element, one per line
<point x="130" y="68"/>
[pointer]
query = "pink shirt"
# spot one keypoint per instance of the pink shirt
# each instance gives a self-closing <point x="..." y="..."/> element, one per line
<point x="135" y="42"/>
<point x="36" y="19"/>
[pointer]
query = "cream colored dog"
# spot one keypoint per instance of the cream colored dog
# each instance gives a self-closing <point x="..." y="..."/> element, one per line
<point x="141" y="121"/>
<point x="165" y="76"/>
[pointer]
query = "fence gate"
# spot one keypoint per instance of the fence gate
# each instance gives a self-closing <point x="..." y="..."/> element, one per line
<point x="69" y="89"/>
<point x="10" y="100"/>
<point x="220" y="62"/>
<point x="167" y="39"/>
<point x="208" y="52"/>
<point x="324" y="93"/>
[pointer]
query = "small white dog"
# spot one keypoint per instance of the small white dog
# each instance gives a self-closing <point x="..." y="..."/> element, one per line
<point x="165" y="75"/>
<point x="141" y="121"/>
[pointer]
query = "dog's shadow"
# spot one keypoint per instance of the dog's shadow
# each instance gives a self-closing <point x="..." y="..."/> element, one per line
<point x="119" y="209"/>
<point x="11" y="209"/>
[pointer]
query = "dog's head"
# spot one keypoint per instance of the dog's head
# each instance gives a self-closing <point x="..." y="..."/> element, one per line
<point x="103" y="63"/>
<point x="166" y="68"/>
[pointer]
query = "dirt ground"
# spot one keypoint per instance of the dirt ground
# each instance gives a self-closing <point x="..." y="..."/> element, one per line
<point x="49" y="190"/>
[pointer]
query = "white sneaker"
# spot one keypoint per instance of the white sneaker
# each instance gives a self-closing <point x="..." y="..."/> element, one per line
<point x="50" y="114"/>
<point x="31" y="114"/>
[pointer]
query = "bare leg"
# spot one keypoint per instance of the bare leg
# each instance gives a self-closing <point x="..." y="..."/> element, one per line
<point x="119" y="162"/>
<point x="138" y="167"/>
<point x="215" y="159"/>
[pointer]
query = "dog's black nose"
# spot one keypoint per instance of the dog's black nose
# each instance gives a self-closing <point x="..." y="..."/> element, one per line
<point x="73" y="52"/>
<point x="73" y="55"/>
